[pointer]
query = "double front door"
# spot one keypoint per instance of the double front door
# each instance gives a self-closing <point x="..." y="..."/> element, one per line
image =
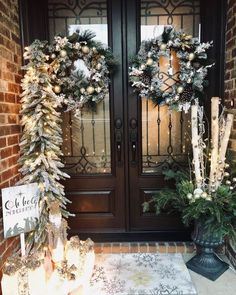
<point x="116" y="154"/>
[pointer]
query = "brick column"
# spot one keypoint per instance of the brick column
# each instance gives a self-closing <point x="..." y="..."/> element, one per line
<point x="230" y="89"/>
<point x="10" y="77"/>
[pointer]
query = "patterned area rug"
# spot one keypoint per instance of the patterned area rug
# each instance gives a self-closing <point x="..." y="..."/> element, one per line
<point x="141" y="274"/>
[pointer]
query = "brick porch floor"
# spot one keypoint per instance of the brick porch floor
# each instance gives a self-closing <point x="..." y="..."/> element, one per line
<point x="145" y="247"/>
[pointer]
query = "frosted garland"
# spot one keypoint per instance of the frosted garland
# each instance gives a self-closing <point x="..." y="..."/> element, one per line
<point x="51" y="85"/>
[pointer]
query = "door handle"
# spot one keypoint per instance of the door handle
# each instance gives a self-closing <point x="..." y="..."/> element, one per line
<point x="133" y="140"/>
<point x="118" y="138"/>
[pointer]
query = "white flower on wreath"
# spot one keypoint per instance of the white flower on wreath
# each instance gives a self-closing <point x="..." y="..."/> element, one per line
<point x="61" y="42"/>
<point x="135" y="72"/>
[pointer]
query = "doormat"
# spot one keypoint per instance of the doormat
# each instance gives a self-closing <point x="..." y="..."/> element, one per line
<point x="141" y="274"/>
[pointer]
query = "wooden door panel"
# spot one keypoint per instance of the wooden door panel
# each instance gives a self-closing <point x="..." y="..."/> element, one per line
<point x="92" y="202"/>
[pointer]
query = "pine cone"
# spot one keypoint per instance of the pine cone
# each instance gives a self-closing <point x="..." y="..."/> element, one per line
<point x="187" y="94"/>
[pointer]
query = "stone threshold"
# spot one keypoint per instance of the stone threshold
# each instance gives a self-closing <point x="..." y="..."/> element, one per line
<point x="145" y="247"/>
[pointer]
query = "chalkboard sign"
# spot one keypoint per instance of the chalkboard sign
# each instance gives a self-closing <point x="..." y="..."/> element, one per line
<point x="20" y="209"/>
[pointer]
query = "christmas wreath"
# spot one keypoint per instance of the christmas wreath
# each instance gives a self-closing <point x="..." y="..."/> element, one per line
<point x="147" y="80"/>
<point x="78" y="68"/>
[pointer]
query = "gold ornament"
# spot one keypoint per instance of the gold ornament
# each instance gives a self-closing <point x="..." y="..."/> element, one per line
<point x="226" y="174"/>
<point x="95" y="50"/>
<point x="163" y="47"/>
<point x="226" y="165"/>
<point x="90" y="89"/>
<point x="149" y="61"/>
<point x="228" y="182"/>
<point x="180" y="89"/>
<point x="63" y="53"/>
<point x="191" y="56"/>
<point x="57" y="88"/>
<point x="85" y="49"/>
<point x="234" y="179"/>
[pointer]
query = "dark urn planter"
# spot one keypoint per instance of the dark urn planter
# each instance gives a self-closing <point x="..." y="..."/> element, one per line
<point x="205" y="262"/>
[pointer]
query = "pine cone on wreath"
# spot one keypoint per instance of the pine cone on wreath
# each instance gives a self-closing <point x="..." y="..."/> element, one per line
<point x="146" y="79"/>
<point x="187" y="94"/>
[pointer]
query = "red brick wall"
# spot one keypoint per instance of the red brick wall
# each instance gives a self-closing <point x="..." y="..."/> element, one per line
<point x="230" y="89"/>
<point x="10" y="63"/>
<point x="230" y="66"/>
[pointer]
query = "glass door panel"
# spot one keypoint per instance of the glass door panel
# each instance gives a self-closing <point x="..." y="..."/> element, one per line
<point x="165" y="135"/>
<point x="86" y="139"/>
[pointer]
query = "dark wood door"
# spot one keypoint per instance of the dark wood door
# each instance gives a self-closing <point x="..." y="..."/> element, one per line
<point x="116" y="154"/>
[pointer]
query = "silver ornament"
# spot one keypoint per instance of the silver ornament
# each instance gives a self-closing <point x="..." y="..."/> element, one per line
<point x="53" y="55"/>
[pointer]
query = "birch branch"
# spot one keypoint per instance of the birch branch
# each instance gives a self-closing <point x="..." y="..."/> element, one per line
<point x="195" y="139"/>
<point x="214" y="138"/>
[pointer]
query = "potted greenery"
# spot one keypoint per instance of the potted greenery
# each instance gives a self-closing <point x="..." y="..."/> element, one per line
<point x="205" y="196"/>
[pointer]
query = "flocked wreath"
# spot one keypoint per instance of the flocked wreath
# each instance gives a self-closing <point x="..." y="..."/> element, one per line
<point x="145" y="76"/>
<point x="74" y="87"/>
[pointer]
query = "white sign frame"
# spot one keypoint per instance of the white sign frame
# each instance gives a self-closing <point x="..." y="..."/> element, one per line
<point x="20" y="209"/>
